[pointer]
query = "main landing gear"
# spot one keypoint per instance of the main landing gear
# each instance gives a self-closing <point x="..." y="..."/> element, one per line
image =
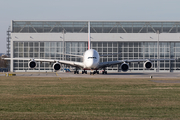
<point x="76" y="72"/>
<point x="104" y="71"/>
<point x="91" y="73"/>
<point x="94" y="72"/>
<point x="84" y="72"/>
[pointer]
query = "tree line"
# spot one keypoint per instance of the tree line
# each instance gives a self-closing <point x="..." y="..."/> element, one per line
<point x="3" y="63"/>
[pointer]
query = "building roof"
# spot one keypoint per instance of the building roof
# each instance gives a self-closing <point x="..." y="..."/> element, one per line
<point x="95" y="26"/>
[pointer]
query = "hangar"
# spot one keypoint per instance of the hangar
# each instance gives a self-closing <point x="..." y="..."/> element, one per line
<point x="133" y="39"/>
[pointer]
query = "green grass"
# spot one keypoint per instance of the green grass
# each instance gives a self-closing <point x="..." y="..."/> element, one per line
<point x="88" y="98"/>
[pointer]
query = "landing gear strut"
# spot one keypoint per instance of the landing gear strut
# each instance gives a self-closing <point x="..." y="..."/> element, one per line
<point x="104" y="71"/>
<point x="84" y="72"/>
<point x="76" y="72"/>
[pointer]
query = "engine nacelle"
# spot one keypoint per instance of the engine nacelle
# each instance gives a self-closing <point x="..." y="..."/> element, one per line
<point x="56" y="66"/>
<point x="32" y="64"/>
<point x="148" y="65"/>
<point x="124" y="67"/>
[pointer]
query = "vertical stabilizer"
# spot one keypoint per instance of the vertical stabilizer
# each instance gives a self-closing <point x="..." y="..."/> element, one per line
<point x="89" y="37"/>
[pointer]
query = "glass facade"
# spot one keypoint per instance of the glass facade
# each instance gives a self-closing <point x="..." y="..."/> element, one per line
<point x="44" y="50"/>
<point x="49" y="27"/>
<point x="128" y="50"/>
<point x="51" y="48"/>
<point x="135" y="27"/>
<point x="96" y="26"/>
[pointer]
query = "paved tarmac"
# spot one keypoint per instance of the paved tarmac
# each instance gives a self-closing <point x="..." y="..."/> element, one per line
<point x="109" y="75"/>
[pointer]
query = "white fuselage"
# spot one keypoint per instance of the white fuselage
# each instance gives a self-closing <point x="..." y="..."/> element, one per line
<point x="91" y="59"/>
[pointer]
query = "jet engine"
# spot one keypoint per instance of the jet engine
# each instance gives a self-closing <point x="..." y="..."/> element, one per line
<point x="56" y="66"/>
<point x="32" y="64"/>
<point x="148" y="65"/>
<point x="124" y="67"/>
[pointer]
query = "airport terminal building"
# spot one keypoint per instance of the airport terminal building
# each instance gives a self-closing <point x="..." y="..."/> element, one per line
<point x="133" y="39"/>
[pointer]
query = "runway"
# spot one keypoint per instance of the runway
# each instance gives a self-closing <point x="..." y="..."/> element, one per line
<point x="109" y="75"/>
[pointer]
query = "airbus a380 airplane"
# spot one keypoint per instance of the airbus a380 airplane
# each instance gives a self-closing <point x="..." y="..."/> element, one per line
<point x="91" y="61"/>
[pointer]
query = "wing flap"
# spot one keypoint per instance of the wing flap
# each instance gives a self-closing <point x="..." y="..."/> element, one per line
<point x="107" y="64"/>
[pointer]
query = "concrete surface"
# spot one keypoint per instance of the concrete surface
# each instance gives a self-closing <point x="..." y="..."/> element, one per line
<point x="109" y="75"/>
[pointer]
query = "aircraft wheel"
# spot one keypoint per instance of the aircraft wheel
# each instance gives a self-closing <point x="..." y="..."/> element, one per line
<point x="105" y="72"/>
<point x="77" y="72"/>
<point x="74" y="72"/>
<point x="82" y="72"/>
<point x="85" y="72"/>
<point x="97" y="72"/>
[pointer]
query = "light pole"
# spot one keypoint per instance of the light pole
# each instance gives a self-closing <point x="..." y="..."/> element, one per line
<point x="158" y="51"/>
<point x="63" y="47"/>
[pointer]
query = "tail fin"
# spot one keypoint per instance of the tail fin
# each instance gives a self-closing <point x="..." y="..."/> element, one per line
<point x="89" y="42"/>
<point x="89" y="37"/>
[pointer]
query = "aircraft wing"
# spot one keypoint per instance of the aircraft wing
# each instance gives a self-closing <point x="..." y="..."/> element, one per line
<point x="81" y="56"/>
<point x="107" y="64"/>
<point x="72" y="63"/>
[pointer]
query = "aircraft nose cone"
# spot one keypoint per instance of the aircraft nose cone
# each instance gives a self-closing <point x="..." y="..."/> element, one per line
<point x="91" y="64"/>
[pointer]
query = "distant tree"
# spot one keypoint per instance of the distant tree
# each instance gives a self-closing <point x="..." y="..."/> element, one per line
<point x="3" y="63"/>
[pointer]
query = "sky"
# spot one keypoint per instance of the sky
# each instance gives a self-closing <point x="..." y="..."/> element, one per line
<point x="84" y="10"/>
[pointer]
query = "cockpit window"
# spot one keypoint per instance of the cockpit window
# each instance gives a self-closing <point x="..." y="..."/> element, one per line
<point x="91" y="57"/>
